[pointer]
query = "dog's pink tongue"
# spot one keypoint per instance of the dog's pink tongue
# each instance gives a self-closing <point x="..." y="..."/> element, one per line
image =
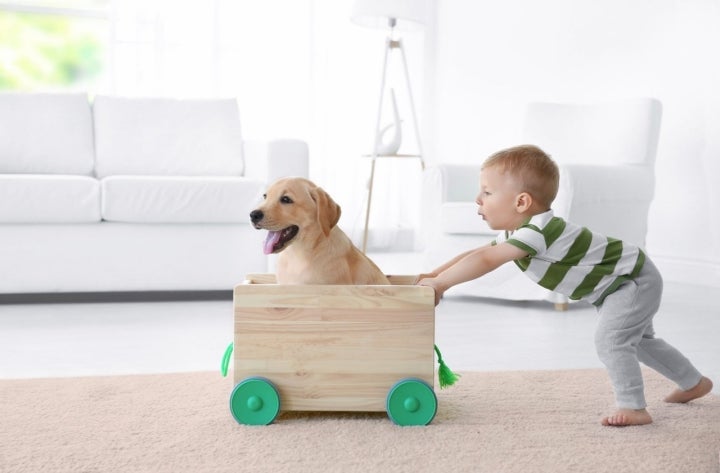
<point x="272" y="239"/>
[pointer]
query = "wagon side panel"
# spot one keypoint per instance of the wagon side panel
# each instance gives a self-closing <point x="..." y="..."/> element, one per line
<point x="334" y="348"/>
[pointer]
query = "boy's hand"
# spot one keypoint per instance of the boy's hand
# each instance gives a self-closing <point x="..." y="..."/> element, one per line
<point x="422" y="276"/>
<point x="435" y="285"/>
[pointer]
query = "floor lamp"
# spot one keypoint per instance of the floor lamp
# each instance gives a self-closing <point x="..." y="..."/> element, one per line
<point x="392" y="15"/>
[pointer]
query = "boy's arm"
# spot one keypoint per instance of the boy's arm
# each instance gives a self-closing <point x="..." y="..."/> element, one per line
<point x="435" y="272"/>
<point x="472" y="265"/>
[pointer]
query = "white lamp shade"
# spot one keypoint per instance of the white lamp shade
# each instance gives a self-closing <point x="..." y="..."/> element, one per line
<point x="410" y="14"/>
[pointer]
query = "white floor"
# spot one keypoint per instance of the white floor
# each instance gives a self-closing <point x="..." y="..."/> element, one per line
<point x="50" y="340"/>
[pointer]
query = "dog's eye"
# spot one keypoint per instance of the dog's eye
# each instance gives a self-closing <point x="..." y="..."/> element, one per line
<point x="264" y="196"/>
<point x="285" y="200"/>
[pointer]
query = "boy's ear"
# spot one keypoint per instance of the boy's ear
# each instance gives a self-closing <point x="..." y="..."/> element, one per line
<point x="523" y="202"/>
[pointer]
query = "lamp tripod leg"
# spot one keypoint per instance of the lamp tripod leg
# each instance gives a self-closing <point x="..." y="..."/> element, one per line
<point x="376" y="143"/>
<point x="412" y="104"/>
<point x="369" y="202"/>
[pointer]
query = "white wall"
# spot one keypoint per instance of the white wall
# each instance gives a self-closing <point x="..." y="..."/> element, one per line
<point x="490" y="58"/>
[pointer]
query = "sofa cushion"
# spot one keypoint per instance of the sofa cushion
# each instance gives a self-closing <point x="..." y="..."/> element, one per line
<point x="49" y="199"/>
<point x="158" y="136"/>
<point x="462" y="218"/>
<point x="45" y="133"/>
<point x="169" y="199"/>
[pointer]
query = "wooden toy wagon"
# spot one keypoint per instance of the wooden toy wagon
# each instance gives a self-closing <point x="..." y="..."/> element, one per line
<point x="333" y="348"/>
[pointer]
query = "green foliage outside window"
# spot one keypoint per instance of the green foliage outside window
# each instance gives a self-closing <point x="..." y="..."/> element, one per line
<point x="38" y="50"/>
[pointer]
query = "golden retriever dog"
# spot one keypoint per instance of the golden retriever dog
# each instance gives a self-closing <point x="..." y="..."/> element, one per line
<point x="301" y="220"/>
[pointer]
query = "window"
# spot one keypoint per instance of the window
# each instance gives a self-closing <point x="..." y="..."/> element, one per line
<point x="51" y="47"/>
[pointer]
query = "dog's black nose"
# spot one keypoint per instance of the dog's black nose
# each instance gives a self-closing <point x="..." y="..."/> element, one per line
<point x="256" y="216"/>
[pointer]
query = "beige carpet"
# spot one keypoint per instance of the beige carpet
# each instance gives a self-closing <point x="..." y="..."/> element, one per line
<point x="543" y="421"/>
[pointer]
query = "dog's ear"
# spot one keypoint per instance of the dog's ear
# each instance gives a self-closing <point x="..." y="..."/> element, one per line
<point x="328" y="212"/>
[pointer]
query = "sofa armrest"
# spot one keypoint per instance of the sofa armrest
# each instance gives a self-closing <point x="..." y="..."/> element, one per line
<point x="271" y="160"/>
<point x="609" y="183"/>
<point x="612" y="200"/>
<point x="448" y="195"/>
<point x="459" y="181"/>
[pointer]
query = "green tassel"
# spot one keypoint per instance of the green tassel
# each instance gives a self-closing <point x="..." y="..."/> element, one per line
<point x="226" y="360"/>
<point x="446" y="376"/>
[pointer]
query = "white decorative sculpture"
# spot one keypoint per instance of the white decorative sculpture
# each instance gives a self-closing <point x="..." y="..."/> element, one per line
<point x="387" y="147"/>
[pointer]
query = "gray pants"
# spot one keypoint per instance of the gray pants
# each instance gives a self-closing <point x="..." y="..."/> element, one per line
<point x="625" y="337"/>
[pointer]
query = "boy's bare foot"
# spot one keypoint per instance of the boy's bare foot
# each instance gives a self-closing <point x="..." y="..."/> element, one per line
<point x="700" y="389"/>
<point x="625" y="417"/>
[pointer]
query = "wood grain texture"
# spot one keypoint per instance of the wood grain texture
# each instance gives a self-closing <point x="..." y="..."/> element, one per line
<point x="333" y="348"/>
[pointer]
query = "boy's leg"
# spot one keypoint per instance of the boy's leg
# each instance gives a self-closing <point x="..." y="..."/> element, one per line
<point x="625" y="336"/>
<point x="624" y="317"/>
<point x="656" y="352"/>
<point x="621" y="324"/>
<point x="668" y="361"/>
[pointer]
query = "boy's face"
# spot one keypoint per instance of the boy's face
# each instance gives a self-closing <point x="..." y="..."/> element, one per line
<point x="498" y="200"/>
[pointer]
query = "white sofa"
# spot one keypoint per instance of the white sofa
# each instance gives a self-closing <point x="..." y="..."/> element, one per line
<point x="131" y="194"/>
<point x="606" y="154"/>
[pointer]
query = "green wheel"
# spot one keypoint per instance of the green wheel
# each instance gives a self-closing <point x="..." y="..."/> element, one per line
<point x="411" y="401"/>
<point x="255" y="401"/>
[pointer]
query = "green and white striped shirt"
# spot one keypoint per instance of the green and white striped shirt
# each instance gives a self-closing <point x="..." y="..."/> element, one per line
<point x="572" y="260"/>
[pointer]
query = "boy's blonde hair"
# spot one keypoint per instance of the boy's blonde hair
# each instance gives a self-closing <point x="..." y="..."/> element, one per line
<point x="536" y="172"/>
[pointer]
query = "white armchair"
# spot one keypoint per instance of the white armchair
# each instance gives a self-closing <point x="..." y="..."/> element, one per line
<point x="606" y="153"/>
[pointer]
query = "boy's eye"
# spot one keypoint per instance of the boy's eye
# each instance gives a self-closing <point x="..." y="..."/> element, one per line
<point x="285" y="200"/>
<point x="264" y="196"/>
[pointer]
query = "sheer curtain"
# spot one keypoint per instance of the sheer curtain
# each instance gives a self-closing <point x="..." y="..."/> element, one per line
<point x="258" y="52"/>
